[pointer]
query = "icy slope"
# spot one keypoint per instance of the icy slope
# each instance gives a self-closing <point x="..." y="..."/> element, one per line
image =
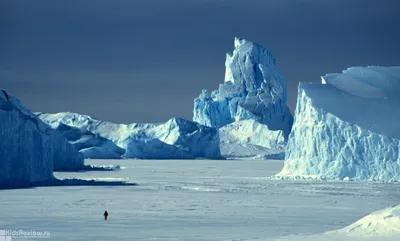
<point x="384" y="222"/>
<point x="347" y="127"/>
<point x="29" y="149"/>
<point x="253" y="89"/>
<point x="175" y="139"/>
<point x="380" y="225"/>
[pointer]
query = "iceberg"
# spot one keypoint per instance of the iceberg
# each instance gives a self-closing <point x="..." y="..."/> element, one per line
<point x="176" y="139"/>
<point x="29" y="149"/>
<point x="347" y="127"/>
<point x="252" y="97"/>
<point x="253" y="89"/>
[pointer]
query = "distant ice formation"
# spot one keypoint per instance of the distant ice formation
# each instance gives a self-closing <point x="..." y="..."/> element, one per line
<point x="175" y="139"/>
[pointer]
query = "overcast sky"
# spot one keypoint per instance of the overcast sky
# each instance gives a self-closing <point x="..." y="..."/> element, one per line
<point x="146" y="60"/>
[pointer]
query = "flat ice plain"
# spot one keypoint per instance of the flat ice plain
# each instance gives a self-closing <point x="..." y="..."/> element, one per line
<point x="193" y="200"/>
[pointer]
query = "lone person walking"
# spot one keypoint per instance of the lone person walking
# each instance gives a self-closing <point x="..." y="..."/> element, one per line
<point x="105" y="215"/>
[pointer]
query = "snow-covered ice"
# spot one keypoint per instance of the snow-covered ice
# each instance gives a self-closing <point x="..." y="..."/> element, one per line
<point x="194" y="200"/>
<point x="347" y="126"/>
<point x="29" y="149"/>
<point x="176" y="139"/>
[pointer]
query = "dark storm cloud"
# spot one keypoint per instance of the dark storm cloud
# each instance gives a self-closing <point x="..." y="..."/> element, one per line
<point x="146" y="60"/>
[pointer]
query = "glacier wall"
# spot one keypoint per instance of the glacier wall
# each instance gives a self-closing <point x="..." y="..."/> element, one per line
<point x="175" y="139"/>
<point x="253" y="89"/>
<point x="347" y="127"/>
<point x="29" y="149"/>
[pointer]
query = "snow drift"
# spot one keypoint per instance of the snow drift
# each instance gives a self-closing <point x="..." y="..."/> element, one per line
<point x="347" y="127"/>
<point x="175" y="139"/>
<point x="380" y="225"/>
<point x="29" y="149"/>
<point x="385" y="222"/>
<point x="253" y="90"/>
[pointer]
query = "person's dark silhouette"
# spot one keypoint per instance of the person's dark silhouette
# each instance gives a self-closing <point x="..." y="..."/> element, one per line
<point x="105" y="215"/>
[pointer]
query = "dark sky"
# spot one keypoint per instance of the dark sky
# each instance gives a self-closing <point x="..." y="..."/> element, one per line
<point x="146" y="60"/>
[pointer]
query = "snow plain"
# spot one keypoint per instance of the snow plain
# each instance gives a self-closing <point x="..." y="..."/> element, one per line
<point x="195" y="200"/>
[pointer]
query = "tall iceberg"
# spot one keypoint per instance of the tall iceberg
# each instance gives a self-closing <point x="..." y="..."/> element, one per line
<point x="253" y="89"/>
<point x="347" y="127"/>
<point x="251" y="100"/>
<point x="175" y="139"/>
<point x="29" y="149"/>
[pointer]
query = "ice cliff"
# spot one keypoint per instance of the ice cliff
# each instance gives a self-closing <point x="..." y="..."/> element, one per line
<point x="29" y="149"/>
<point x="175" y="139"/>
<point x="253" y="89"/>
<point x="347" y="127"/>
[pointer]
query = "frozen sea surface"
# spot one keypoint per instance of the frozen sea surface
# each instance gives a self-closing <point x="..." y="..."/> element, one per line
<point x="192" y="200"/>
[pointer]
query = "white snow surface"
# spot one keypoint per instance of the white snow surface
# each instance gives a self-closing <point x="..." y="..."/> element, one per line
<point x="253" y="89"/>
<point x="175" y="139"/>
<point x="200" y="200"/>
<point x="29" y="149"/>
<point x="347" y="135"/>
